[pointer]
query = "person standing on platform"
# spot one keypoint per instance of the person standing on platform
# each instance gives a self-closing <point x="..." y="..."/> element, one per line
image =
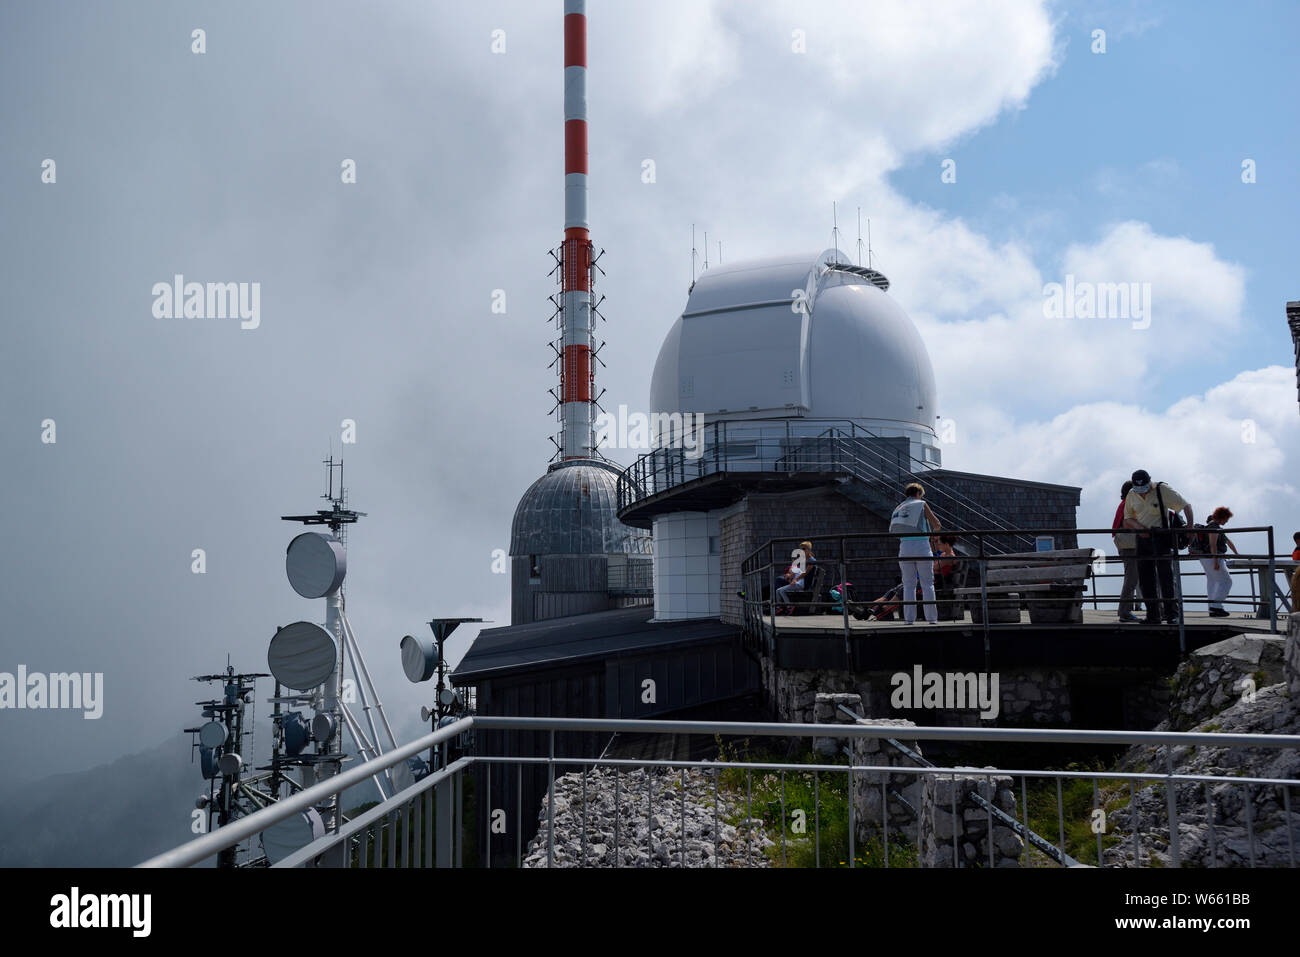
<point x="914" y="557"/>
<point x="1215" y="545"/>
<point x="1126" y="545"/>
<point x="1146" y="511"/>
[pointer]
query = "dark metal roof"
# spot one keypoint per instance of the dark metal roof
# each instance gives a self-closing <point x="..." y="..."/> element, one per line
<point x="603" y="634"/>
<point x="720" y="489"/>
<point x="573" y="510"/>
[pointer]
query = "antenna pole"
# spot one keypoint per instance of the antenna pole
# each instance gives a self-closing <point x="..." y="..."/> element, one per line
<point x="692" y="254"/>
<point x="706" y="249"/>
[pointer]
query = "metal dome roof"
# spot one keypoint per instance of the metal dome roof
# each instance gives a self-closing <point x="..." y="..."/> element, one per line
<point x="742" y="347"/>
<point x="573" y="510"/>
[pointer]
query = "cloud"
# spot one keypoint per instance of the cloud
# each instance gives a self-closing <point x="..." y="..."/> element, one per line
<point x="980" y="306"/>
<point x="1235" y="444"/>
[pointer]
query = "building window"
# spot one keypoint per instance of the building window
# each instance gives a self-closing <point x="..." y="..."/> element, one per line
<point x="713" y="544"/>
<point x="534" y="570"/>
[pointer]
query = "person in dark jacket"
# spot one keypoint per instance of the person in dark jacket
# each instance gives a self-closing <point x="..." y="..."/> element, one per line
<point x="1126" y="545"/>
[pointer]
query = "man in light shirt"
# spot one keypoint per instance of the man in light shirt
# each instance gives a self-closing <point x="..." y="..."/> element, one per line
<point x="1144" y="514"/>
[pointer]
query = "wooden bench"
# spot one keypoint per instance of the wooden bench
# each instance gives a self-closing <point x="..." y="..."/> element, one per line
<point x="1050" y="582"/>
<point x="951" y="607"/>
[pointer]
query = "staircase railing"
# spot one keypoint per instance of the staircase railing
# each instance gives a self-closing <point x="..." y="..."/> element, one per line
<point x="852" y="454"/>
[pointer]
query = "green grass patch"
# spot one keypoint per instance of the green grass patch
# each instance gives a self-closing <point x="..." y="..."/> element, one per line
<point x="807" y="810"/>
<point x="1077" y="815"/>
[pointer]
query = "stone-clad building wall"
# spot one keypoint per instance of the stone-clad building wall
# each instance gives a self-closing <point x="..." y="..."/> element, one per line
<point x="1023" y="504"/>
<point x="823" y="514"/>
<point x="818" y="514"/>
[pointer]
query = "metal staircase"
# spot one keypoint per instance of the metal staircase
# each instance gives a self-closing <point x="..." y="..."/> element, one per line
<point x="880" y="470"/>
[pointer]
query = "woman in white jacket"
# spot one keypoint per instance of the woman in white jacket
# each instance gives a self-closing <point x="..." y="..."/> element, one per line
<point x="915" y="558"/>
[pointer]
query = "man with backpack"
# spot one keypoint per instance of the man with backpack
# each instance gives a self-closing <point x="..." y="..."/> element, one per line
<point x="1146" y="511"/>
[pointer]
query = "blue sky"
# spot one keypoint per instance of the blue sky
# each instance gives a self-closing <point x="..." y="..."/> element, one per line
<point x="1155" y="129"/>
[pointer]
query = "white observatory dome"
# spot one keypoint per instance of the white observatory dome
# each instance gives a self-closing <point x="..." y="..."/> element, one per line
<point x="745" y="348"/>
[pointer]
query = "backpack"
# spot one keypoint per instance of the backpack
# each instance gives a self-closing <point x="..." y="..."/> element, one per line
<point x="840" y="594"/>
<point x="910" y="517"/>
<point x="1173" y="521"/>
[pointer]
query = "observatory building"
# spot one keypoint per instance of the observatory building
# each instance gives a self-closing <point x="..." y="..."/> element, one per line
<point x="799" y="401"/>
<point x="569" y="553"/>
<point x="814" y="400"/>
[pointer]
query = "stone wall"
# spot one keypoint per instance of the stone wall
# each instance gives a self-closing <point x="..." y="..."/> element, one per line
<point x="954" y="825"/>
<point x="1215" y="676"/>
<point x="791" y="695"/>
<point x="1031" y="697"/>
<point x="869" y="814"/>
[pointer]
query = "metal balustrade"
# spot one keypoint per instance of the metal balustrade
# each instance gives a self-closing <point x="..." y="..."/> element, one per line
<point x="424" y="825"/>
<point x="843" y="557"/>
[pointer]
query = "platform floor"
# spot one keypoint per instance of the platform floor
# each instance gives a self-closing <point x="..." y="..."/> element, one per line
<point x="1092" y="620"/>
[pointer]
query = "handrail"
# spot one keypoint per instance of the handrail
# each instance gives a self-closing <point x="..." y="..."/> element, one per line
<point x="842" y="446"/>
<point x="208" y="845"/>
<point x="245" y="827"/>
<point x="365" y="819"/>
<point x="747" y="567"/>
<point x="919" y="733"/>
<point x="935" y="483"/>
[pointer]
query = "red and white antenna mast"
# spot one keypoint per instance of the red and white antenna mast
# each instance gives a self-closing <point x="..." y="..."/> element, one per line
<point x="577" y="374"/>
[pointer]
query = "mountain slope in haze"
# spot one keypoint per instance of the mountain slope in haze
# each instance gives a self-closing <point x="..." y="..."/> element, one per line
<point x="113" y="815"/>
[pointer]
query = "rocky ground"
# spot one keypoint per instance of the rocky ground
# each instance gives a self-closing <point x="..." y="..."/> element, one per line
<point x="1239" y="810"/>
<point x="653" y="840"/>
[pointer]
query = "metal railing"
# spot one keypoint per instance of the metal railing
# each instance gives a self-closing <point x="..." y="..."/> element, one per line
<point x="883" y="464"/>
<point x="633" y="577"/>
<point x="422" y="825"/>
<point x="843" y="558"/>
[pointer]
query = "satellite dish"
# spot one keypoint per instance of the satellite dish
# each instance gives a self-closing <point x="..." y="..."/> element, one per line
<point x="293" y="833"/>
<point x="322" y="727"/>
<point x="446" y="720"/>
<point x="302" y="656"/>
<point x="212" y="734"/>
<point x="425" y="713"/>
<point x="419" y="658"/>
<point x="296" y="733"/>
<point x="316" y="564"/>
<point x="208" y="763"/>
<point x="401" y="777"/>
<point x="230" y="764"/>
<point x="448" y="697"/>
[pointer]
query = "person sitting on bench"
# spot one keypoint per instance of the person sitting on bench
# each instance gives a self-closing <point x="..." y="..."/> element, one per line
<point x="795" y="577"/>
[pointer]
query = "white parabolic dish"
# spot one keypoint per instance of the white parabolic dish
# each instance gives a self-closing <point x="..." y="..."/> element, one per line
<point x="292" y="834"/>
<point x="302" y="656"/>
<point x="419" y="658"/>
<point x="315" y="564"/>
<point x="212" y="734"/>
